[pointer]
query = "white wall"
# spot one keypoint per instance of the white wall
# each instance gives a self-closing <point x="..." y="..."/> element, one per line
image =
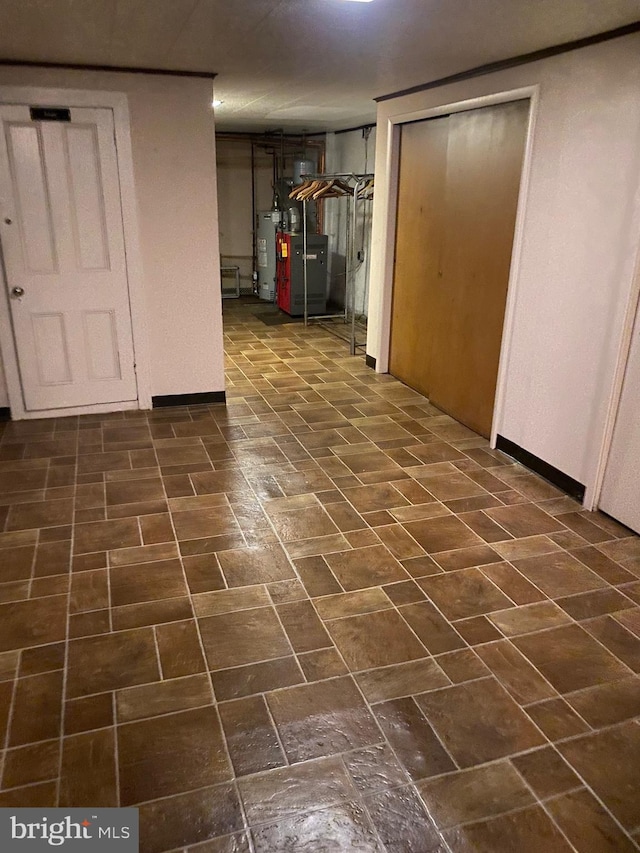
<point x="4" y="397"/>
<point x="172" y="134"/>
<point x="581" y="221"/>
<point x="349" y="152"/>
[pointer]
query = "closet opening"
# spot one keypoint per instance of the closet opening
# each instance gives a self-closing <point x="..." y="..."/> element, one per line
<point x="458" y="190"/>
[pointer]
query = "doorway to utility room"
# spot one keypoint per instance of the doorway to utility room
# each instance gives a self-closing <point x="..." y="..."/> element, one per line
<point x="294" y="240"/>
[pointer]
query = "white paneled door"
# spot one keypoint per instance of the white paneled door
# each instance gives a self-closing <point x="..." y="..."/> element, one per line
<point x="64" y="256"/>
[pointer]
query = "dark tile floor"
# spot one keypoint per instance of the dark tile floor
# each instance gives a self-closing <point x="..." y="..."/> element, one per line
<point x="326" y="617"/>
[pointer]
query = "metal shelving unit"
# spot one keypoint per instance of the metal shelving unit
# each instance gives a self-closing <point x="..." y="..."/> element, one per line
<point x="356" y="183"/>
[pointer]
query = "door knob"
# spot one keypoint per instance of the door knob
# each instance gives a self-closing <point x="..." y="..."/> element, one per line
<point x="17" y="292"/>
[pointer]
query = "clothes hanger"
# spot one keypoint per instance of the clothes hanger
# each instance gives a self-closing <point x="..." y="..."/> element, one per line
<point x="367" y="190"/>
<point x="326" y="190"/>
<point x="295" y="192"/>
<point x="306" y="194"/>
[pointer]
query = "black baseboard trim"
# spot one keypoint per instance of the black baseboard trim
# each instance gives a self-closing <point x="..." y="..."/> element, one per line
<point x="539" y="466"/>
<point x="370" y="361"/>
<point x="5" y="413"/>
<point x="204" y="397"/>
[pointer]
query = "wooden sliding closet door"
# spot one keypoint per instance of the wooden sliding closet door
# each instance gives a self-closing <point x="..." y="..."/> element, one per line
<point x="453" y="290"/>
<point x="417" y="290"/>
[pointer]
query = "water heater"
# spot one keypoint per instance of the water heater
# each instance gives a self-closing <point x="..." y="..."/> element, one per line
<point x="301" y="168"/>
<point x="268" y="222"/>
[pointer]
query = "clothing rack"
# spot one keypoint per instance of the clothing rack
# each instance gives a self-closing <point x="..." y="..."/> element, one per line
<point x="355" y="188"/>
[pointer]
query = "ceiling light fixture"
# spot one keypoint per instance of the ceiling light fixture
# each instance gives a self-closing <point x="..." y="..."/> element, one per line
<point x="216" y="102"/>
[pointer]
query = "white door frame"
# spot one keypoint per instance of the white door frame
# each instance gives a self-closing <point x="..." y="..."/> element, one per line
<point x="116" y="101"/>
<point x="395" y="122"/>
<point x="592" y="499"/>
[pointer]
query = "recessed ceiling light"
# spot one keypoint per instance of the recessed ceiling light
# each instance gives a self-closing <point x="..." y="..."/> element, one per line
<point x="362" y="1"/>
<point x="216" y="102"/>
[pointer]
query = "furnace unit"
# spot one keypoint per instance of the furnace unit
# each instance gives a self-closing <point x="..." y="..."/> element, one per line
<point x="290" y="273"/>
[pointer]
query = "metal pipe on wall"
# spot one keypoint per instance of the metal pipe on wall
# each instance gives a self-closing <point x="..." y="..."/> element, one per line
<point x="356" y="191"/>
<point x="270" y="141"/>
<point x="304" y="261"/>
<point x="254" y="244"/>
<point x="322" y="156"/>
<point x="274" y="175"/>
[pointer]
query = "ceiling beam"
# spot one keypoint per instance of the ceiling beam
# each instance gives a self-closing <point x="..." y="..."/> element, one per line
<point x="515" y="61"/>
<point x="119" y="69"/>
